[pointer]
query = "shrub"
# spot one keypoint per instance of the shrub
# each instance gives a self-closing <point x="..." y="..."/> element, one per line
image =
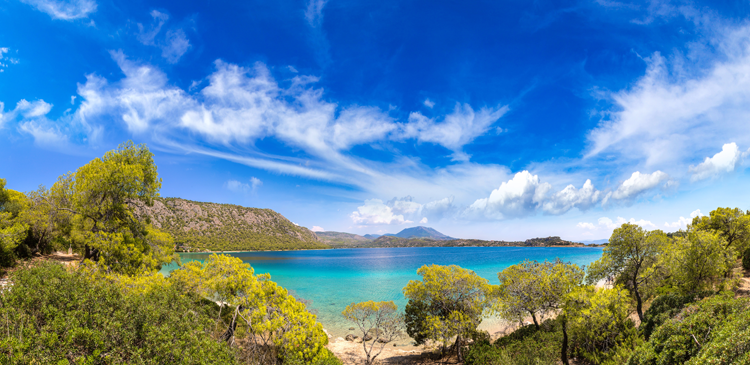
<point x="697" y="331"/>
<point x="665" y="307"/>
<point x="52" y="315"/>
<point x="525" y="346"/>
<point x="746" y="259"/>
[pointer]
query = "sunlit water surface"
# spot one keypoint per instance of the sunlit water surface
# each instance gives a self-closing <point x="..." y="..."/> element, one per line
<point x="332" y="279"/>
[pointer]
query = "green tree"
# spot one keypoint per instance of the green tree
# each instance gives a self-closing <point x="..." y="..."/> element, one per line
<point x="98" y="199"/>
<point x="733" y="225"/>
<point x="632" y="257"/>
<point x="269" y="322"/>
<point x="12" y="230"/>
<point x="453" y="299"/>
<point x="533" y="288"/>
<point x="699" y="261"/>
<point x="600" y="329"/>
<point x="379" y="318"/>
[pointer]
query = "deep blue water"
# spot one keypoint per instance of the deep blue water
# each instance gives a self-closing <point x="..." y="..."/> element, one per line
<point x="333" y="279"/>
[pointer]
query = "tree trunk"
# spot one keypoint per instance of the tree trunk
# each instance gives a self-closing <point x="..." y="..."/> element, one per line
<point x="536" y="323"/>
<point x="638" y="301"/>
<point x="564" y="350"/>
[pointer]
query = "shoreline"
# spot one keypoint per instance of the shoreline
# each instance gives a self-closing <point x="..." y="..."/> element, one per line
<point x="352" y="248"/>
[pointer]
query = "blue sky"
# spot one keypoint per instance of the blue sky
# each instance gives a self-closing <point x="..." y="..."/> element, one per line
<point x="486" y="119"/>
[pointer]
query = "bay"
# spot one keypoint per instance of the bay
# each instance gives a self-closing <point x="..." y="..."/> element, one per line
<point x="332" y="279"/>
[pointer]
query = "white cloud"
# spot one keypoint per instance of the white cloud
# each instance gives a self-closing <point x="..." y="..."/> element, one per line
<point x="456" y="129"/>
<point x="608" y="225"/>
<point x="176" y="44"/>
<point x="4" y="56"/>
<point x="376" y="212"/>
<point x="570" y="197"/>
<point x="255" y="183"/>
<point x="429" y="103"/>
<point x="516" y="198"/>
<point x="721" y="163"/>
<point x="636" y="185"/>
<point x="683" y="222"/>
<point x="525" y="194"/>
<point x="240" y="187"/>
<point x="314" y="12"/>
<point x="44" y="135"/>
<point x="586" y="225"/>
<point x="402" y="210"/>
<point x="64" y="10"/>
<point x="173" y="44"/>
<point x="317" y="229"/>
<point x="682" y="105"/>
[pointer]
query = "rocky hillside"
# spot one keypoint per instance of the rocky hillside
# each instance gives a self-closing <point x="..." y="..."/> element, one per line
<point x="200" y="226"/>
<point x="341" y="239"/>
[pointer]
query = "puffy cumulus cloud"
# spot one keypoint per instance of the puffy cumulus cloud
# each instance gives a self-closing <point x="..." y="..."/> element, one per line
<point x="173" y="44"/>
<point x="570" y="197"/>
<point x="721" y="163"/>
<point x="525" y="194"/>
<point x="636" y="185"/>
<point x="682" y="222"/>
<point x="64" y="10"/>
<point x="317" y="229"/>
<point x="586" y="225"/>
<point x="376" y="212"/>
<point x="682" y="105"/>
<point x="515" y="198"/>
<point x="607" y="224"/>
<point x="402" y="210"/>
<point x="456" y="129"/>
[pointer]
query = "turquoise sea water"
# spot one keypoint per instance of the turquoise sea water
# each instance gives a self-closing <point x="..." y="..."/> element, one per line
<point x="333" y="279"/>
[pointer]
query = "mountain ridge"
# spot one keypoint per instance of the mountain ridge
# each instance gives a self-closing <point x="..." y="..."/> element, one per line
<point x="201" y="226"/>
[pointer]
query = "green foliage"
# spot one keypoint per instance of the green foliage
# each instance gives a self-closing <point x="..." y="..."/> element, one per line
<point x="632" y="258"/>
<point x="524" y="346"/>
<point x="267" y="320"/>
<point x="454" y="301"/>
<point x="13" y="231"/>
<point x="98" y="198"/>
<point x="665" y="307"/>
<point x="746" y="259"/>
<point x="707" y="331"/>
<point x="733" y="225"/>
<point x="533" y="288"/>
<point x="699" y="261"/>
<point x="51" y="315"/>
<point x="599" y="327"/>
<point x="379" y="318"/>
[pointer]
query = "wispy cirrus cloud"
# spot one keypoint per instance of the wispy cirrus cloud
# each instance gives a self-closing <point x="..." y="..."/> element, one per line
<point x="64" y="9"/>
<point x="173" y="43"/>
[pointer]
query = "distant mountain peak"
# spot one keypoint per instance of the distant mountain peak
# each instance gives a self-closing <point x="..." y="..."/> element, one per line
<point x="422" y="232"/>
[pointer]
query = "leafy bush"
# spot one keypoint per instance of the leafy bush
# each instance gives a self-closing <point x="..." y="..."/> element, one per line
<point x="746" y="259"/>
<point x="665" y="307"/>
<point x="525" y="346"/>
<point x="54" y="316"/>
<point x="598" y="324"/>
<point x="707" y="329"/>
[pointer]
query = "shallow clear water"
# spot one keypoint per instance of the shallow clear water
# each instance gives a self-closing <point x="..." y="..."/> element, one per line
<point x="333" y="279"/>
